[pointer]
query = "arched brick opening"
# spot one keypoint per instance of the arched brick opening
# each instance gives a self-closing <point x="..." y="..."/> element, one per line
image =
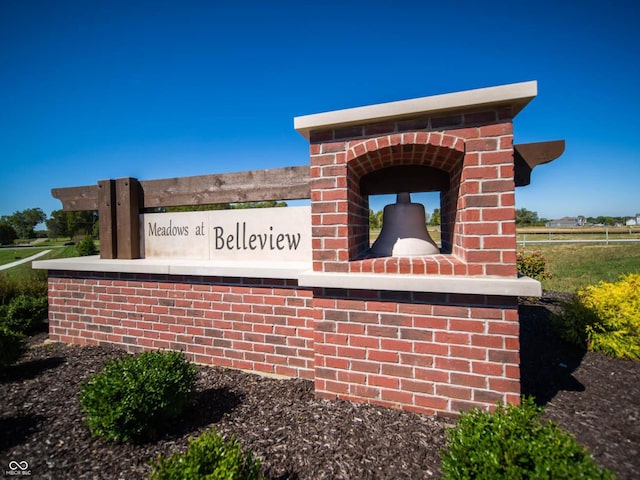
<point x="440" y="152"/>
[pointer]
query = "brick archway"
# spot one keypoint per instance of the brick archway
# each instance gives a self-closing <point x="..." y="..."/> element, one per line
<point x="433" y="149"/>
<point x="430" y="149"/>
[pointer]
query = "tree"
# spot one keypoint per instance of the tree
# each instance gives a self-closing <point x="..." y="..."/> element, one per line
<point x="435" y="217"/>
<point x="525" y="218"/>
<point x="7" y="233"/>
<point x="221" y="206"/>
<point x="267" y="204"/>
<point x="194" y="208"/>
<point x="57" y="224"/>
<point x="605" y="220"/>
<point x="375" y="219"/>
<point x="69" y="224"/>
<point x="87" y="247"/>
<point x="24" y="221"/>
<point x="81" y="223"/>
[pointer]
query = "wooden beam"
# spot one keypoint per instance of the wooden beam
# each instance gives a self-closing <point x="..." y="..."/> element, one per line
<point x="128" y="200"/>
<point x="286" y="183"/>
<point x="77" y="198"/>
<point x="107" y="218"/>
<point x="527" y="156"/>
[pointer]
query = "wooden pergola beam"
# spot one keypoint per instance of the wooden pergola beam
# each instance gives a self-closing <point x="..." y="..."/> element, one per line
<point x="77" y="199"/>
<point x="527" y="156"/>
<point x="288" y="183"/>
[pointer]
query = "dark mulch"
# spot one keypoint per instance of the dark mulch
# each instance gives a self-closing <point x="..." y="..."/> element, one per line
<point x="594" y="397"/>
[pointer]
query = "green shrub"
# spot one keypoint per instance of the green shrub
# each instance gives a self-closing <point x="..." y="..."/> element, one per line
<point x="87" y="247"/>
<point x="8" y="290"/>
<point x="513" y="443"/>
<point x="24" y="313"/>
<point x="12" y="346"/>
<point x="605" y="318"/>
<point x="533" y="264"/>
<point x="209" y="457"/>
<point x="133" y="397"/>
<point x="34" y="285"/>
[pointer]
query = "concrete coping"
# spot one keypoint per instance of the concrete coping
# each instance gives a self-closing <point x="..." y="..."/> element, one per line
<point x="306" y="277"/>
<point x="516" y="94"/>
<point x="252" y="269"/>
<point x="485" y="285"/>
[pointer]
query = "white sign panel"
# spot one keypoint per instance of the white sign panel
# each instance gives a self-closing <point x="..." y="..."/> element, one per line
<point x="282" y="234"/>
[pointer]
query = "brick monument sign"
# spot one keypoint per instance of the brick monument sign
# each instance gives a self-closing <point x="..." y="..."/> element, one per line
<point x="296" y="291"/>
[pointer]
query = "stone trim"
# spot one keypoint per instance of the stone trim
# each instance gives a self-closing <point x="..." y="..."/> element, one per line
<point x="516" y="94"/>
<point x="302" y="273"/>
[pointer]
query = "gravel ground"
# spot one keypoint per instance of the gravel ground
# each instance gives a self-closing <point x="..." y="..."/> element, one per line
<point x="297" y="436"/>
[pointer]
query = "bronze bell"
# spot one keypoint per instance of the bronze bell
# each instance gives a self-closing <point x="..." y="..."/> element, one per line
<point x="404" y="232"/>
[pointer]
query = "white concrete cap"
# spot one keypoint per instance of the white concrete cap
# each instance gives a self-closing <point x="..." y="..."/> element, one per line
<point x="301" y="271"/>
<point x="481" y="285"/>
<point x="516" y="94"/>
<point x="160" y="266"/>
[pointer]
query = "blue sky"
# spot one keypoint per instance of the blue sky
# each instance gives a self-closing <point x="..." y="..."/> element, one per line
<point x="92" y="90"/>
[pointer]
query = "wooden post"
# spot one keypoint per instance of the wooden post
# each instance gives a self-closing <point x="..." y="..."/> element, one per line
<point x="128" y="201"/>
<point x="107" y="218"/>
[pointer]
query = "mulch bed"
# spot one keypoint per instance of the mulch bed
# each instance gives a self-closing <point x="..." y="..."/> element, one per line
<point x="299" y="437"/>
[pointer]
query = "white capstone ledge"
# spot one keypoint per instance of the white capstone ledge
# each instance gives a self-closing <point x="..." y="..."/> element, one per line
<point x="516" y="94"/>
<point x="282" y="270"/>
<point x="306" y="277"/>
<point x="486" y="285"/>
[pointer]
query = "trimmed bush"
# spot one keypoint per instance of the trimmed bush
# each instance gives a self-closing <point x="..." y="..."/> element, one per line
<point x="24" y="313"/>
<point x="604" y="318"/>
<point x="87" y="247"/>
<point x="12" y="346"/>
<point x="513" y="443"/>
<point x="133" y="398"/>
<point x="532" y="264"/>
<point x="209" y="457"/>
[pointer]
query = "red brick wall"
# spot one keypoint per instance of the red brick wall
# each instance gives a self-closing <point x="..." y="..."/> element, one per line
<point x="264" y="326"/>
<point x="478" y="210"/>
<point x="418" y="351"/>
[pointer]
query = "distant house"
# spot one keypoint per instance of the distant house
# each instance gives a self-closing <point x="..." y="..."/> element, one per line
<point x="566" y="222"/>
<point x="634" y="221"/>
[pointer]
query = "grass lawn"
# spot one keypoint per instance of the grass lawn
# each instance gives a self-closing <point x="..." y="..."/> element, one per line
<point x="25" y="271"/>
<point x="575" y="266"/>
<point x="8" y="255"/>
<point x="578" y="233"/>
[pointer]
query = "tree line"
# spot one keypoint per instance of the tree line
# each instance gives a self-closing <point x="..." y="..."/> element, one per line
<point x="524" y="218"/>
<point x="375" y="218"/>
<point x="61" y="224"/>
<point x="529" y="218"/>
